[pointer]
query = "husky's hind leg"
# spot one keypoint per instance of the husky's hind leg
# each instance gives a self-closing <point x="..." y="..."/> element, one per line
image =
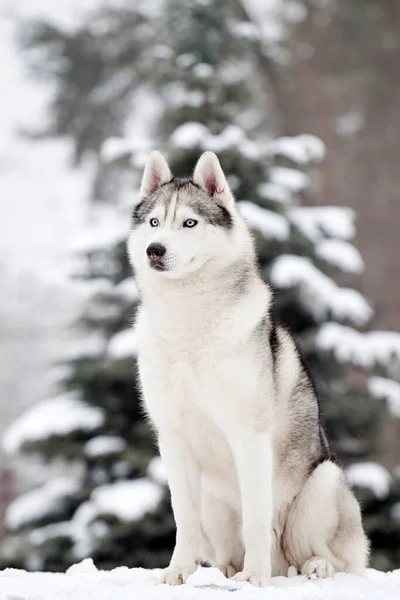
<point x="221" y="528"/>
<point x="323" y="532"/>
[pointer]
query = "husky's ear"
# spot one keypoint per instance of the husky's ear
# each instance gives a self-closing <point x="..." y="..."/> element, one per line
<point x="209" y="175"/>
<point x="156" y="172"/>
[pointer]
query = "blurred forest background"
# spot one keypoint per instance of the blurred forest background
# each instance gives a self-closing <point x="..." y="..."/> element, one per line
<point x="300" y="99"/>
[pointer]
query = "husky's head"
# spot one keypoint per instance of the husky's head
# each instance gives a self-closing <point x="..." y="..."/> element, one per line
<point x="180" y="225"/>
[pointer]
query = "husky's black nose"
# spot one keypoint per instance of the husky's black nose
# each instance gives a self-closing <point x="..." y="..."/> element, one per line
<point x="155" y="251"/>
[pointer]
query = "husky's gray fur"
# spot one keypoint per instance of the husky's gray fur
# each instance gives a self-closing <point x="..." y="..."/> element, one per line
<point x="253" y="485"/>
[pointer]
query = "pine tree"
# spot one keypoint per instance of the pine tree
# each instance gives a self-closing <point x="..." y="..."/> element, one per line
<point x="213" y="96"/>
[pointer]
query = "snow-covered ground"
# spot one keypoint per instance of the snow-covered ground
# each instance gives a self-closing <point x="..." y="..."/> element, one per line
<point x="84" y="582"/>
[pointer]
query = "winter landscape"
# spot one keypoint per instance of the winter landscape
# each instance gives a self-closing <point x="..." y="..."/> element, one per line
<point x="90" y="88"/>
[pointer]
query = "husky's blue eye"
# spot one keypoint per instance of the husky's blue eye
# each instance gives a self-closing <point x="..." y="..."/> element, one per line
<point x="190" y="223"/>
<point x="154" y="222"/>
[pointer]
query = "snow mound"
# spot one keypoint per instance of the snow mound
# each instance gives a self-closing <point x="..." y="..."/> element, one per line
<point x="318" y="222"/>
<point x="40" y="502"/>
<point x="361" y="349"/>
<point x="270" y="224"/>
<point x="55" y="417"/>
<point x="83" y="581"/>
<point x="370" y="475"/>
<point x="319" y="293"/>
<point x="123" y="344"/>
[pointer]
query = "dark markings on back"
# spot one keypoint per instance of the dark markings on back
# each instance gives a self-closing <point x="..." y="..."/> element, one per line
<point x="274" y="340"/>
<point x="325" y="452"/>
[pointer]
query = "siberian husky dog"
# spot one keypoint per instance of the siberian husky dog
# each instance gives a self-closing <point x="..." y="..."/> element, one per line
<point x="254" y="488"/>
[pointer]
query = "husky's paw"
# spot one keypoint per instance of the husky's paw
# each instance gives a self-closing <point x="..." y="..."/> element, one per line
<point x="317" y="566"/>
<point x="257" y="578"/>
<point x="227" y="570"/>
<point x="177" y="575"/>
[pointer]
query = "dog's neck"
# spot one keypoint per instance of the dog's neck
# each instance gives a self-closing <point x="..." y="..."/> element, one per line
<point x="176" y="312"/>
<point x="204" y="290"/>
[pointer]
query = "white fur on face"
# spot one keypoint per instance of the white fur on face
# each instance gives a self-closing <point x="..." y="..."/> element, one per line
<point x="187" y="249"/>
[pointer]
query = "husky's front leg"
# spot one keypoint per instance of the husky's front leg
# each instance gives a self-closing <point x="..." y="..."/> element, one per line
<point x="184" y="483"/>
<point x="253" y="457"/>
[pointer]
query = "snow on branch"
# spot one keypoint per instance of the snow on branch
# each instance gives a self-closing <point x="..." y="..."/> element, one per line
<point x="58" y="416"/>
<point x="370" y="475"/>
<point x="275" y="191"/>
<point x="104" y="445"/>
<point x="126" y="500"/>
<point x="123" y="344"/>
<point x="156" y="470"/>
<point x="301" y="149"/>
<point x="340" y="254"/>
<point x="41" y="502"/>
<point x="270" y="224"/>
<point x="361" y="349"/>
<point x="110" y="228"/>
<point x="196" y="135"/>
<point x="292" y="179"/>
<point x="318" y="222"/>
<point x="319" y="293"/>
<point x="388" y="389"/>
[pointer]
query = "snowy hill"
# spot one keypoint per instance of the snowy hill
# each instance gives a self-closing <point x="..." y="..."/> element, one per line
<point x="83" y="581"/>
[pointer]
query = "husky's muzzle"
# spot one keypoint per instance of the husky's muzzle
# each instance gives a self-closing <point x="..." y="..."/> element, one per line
<point x="156" y="253"/>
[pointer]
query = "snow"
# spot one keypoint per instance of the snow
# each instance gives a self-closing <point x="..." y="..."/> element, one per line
<point x="361" y="349"/>
<point x="83" y="581"/>
<point x="156" y="470"/>
<point x="128" y="289"/>
<point x="350" y="123"/>
<point x="108" y="229"/>
<point x="293" y="179"/>
<point x="190" y="135"/>
<point x="381" y="387"/>
<point x="301" y="149"/>
<point x="370" y="475"/>
<point x="196" y="135"/>
<point x="103" y="445"/>
<point x="40" y="502"/>
<point x="246" y="30"/>
<point x="203" y="70"/>
<point x="318" y="222"/>
<point x="55" y="417"/>
<point x="89" y="347"/>
<point x="318" y="292"/>
<point x="127" y="500"/>
<point x="341" y="255"/>
<point x="275" y="191"/>
<point x="267" y="222"/>
<point x="123" y="344"/>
